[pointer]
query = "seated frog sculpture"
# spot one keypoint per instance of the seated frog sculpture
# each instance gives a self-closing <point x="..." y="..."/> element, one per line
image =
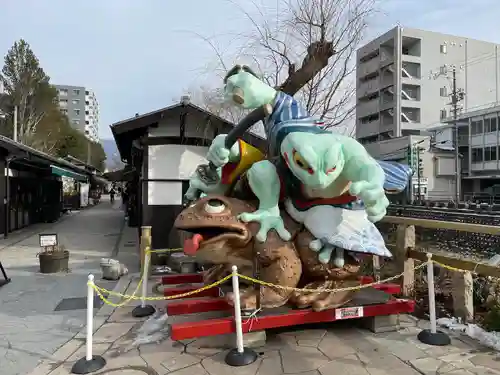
<point x="326" y="181"/>
<point x="218" y="237"/>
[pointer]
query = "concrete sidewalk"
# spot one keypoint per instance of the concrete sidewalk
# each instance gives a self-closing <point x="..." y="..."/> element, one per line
<point x="30" y="327"/>
<point x="322" y="349"/>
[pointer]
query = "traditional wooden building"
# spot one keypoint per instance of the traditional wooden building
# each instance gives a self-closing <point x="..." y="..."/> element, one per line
<point x="162" y="149"/>
<point x="31" y="187"/>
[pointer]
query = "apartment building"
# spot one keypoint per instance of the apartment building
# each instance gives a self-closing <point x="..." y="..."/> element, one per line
<point x="81" y="106"/>
<point x="479" y="146"/>
<point x="404" y="81"/>
<point x="404" y="86"/>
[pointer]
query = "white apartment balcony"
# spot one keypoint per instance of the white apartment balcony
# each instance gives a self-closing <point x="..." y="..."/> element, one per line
<point x="367" y="108"/>
<point x="386" y="58"/>
<point x="368" y="87"/>
<point x="492" y="165"/>
<point x="410" y="71"/>
<point x="368" y="67"/>
<point x="368" y="129"/>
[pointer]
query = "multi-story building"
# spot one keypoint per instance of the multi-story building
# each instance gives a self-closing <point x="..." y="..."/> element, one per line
<point x="404" y="87"/>
<point x="82" y="109"/>
<point x="479" y="146"/>
<point x="404" y="81"/>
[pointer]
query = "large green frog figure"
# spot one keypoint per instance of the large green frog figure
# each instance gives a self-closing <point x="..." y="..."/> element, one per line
<point x="326" y="181"/>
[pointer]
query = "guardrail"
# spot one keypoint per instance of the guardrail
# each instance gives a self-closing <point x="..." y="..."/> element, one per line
<point x="406" y="252"/>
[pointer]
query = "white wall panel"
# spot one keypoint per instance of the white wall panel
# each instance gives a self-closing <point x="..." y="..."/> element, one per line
<point x="174" y="162"/>
<point x="164" y="193"/>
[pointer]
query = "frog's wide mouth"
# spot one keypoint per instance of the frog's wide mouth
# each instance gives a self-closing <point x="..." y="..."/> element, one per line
<point x="206" y="235"/>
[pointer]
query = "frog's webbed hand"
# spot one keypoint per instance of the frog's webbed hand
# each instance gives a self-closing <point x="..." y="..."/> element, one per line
<point x="196" y="185"/>
<point x="325" y="250"/>
<point x="264" y="182"/>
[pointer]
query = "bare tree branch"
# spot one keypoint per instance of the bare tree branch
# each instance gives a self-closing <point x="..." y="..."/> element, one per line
<point x="324" y="35"/>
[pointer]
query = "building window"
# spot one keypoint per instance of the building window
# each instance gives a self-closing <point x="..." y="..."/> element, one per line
<point x="443" y="114"/>
<point x="493" y="124"/>
<point x="86" y="102"/>
<point x="86" y="92"/>
<point x="490" y="153"/>
<point x="77" y="112"/>
<point x="477" y="155"/>
<point x="76" y="122"/>
<point x="487" y="125"/>
<point x="86" y="122"/>
<point x="63" y="103"/>
<point x="75" y="101"/>
<point x="476" y="127"/>
<point x="76" y="92"/>
<point x="64" y="111"/>
<point x="443" y="91"/>
<point x="442" y="48"/>
<point x="86" y="112"/>
<point x="63" y="92"/>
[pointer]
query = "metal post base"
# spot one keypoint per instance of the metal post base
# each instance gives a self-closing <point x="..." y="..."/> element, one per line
<point x="141" y="312"/>
<point x="436" y="339"/>
<point x="234" y="358"/>
<point x="82" y="366"/>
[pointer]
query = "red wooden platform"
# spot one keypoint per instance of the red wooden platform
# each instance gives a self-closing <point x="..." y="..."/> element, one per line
<point x="273" y="318"/>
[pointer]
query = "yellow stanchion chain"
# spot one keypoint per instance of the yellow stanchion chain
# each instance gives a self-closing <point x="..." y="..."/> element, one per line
<point x="306" y="290"/>
<point x="127" y="298"/>
<point x="100" y="291"/>
<point x="450" y="268"/>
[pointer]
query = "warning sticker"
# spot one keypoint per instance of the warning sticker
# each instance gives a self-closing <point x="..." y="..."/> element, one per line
<point x="349" y="313"/>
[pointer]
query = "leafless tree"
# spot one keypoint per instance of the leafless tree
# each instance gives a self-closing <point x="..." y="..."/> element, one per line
<point x="324" y="35"/>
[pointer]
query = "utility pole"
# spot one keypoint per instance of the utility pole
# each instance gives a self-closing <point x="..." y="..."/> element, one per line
<point x="419" y="186"/>
<point x="15" y="124"/>
<point x="457" y="95"/>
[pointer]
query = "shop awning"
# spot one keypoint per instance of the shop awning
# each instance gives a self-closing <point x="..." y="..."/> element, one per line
<point x="99" y="180"/>
<point x="67" y="173"/>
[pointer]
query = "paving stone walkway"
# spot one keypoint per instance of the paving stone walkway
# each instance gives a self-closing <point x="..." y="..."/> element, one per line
<point x="30" y="328"/>
<point x="336" y="349"/>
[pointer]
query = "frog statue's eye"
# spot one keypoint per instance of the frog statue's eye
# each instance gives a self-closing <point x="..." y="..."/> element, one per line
<point x="301" y="163"/>
<point x="214" y="206"/>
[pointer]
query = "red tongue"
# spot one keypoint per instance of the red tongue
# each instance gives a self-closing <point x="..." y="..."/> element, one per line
<point x="191" y="245"/>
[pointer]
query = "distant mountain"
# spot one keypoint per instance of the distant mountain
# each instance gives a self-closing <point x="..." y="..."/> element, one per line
<point x="111" y="151"/>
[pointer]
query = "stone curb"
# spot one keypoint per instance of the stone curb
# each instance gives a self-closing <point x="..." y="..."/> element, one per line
<point x="46" y="366"/>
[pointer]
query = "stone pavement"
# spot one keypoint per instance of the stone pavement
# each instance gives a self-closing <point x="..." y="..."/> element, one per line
<point x="339" y="348"/>
<point x="30" y="329"/>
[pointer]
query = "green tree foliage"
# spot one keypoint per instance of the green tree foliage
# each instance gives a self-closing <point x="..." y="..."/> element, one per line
<point x="27" y="85"/>
<point x="41" y="124"/>
<point x="75" y="144"/>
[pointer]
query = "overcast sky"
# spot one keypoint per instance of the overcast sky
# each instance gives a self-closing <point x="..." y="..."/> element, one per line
<point x="141" y="55"/>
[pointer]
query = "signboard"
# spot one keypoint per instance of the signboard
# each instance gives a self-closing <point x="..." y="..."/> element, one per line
<point x="349" y="313"/>
<point x="423" y="180"/>
<point x="47" y="240"/>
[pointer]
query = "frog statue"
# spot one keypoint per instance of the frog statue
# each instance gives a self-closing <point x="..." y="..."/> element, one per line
<point x="327" y="182"/>
<point x="219" y="238"/>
